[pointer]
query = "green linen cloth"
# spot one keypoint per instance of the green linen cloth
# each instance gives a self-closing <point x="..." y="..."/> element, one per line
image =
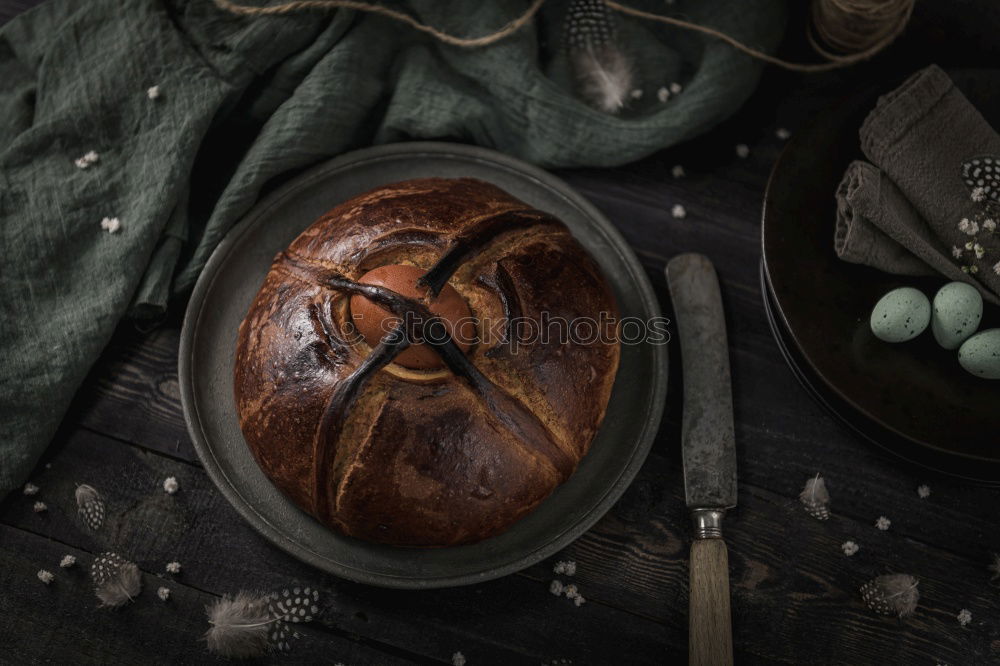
<point x="245" y="102"/>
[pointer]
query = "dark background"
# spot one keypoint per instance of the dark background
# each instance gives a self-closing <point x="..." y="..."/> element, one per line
<point x="795" y="595"/>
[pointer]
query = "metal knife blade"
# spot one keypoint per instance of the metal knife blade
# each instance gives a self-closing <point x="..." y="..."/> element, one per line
<point x="708" y="443"/>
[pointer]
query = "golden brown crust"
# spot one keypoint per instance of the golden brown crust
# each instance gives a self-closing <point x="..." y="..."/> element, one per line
<point x="438" y="462"/>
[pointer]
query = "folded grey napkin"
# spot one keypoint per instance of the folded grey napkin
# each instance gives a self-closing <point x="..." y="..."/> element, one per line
<point x="930" y="199"/>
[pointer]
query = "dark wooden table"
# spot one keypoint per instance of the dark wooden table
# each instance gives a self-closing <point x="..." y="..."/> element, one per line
<point x="795" y="594"/>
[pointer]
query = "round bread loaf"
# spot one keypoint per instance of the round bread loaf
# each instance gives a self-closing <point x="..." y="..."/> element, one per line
<point x="452" y="444"/>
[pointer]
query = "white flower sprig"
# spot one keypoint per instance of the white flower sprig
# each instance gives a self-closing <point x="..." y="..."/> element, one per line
<point x="983" y="222"/>
<point x="567" y="568"/>
<point x="87" y="160"/>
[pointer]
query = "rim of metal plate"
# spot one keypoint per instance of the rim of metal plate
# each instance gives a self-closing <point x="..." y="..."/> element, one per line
<point x="234" y="488"/>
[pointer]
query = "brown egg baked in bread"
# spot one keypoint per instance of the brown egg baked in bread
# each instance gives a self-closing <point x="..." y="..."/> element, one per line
<point x="391" y="375"/>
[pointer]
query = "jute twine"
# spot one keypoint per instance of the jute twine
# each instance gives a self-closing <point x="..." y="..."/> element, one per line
<point x="843" y="32"/>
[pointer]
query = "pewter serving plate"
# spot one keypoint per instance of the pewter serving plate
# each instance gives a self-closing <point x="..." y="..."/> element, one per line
<point x="231" y="280"/>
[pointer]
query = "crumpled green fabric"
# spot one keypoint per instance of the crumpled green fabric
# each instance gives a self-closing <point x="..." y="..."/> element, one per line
<point x="246" y="102"/>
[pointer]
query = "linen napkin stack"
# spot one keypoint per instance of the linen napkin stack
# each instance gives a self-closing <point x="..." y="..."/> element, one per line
<point x="928" y="199"/>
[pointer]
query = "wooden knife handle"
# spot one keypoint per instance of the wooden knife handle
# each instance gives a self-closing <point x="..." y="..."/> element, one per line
<point x="710" y="637"/>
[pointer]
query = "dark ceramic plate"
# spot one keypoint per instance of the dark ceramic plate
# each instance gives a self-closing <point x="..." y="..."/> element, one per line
<point x="913" y="399"/>
<point x="864" y="428"/>
<point x="230" y="281"/>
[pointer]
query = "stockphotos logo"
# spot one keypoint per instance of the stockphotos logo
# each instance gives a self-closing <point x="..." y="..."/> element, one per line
<point x="526" y="332"/>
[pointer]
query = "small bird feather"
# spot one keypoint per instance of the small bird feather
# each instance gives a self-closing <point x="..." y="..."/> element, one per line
<point x="815" y="498"/>
<point x="605" y="76"/>
<point x="116" y="580"/>
<point x="240" y="626"/>
<point x="90" y="506"/>
<point x="891" y="594"/>
<point x="602" y="69"/>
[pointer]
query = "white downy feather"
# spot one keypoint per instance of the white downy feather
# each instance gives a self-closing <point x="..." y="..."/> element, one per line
<point x="240" y="626"/>
<point x="815" y="498"/>
<point x="605" y="76"/>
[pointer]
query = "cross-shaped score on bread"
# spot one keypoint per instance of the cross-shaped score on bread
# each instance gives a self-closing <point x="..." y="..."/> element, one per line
<point x="374" y="321"/>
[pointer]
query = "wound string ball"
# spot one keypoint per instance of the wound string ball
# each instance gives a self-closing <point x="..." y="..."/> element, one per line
<point x="846" y="28"/>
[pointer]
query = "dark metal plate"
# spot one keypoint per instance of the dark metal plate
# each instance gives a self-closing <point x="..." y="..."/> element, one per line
<point x="231" y="280"/>
<point x="913" y="399"/>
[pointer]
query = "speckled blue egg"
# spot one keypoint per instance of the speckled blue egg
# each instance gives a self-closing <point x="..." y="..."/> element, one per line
<point x="980" y="354"/>
<point x="901" y="315"/>
<point x="956" y="313"/>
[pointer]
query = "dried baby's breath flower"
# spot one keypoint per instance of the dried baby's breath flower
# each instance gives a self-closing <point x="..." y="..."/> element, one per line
<point x="782" y="133"/>
<point x="163" y="593"/>
<point x="679" y="211"/>
<point x="967" y="226"/>
<point x="556" y="587"/>
<point x="567" y="568"/>
<point x="153" y="92"/>
<point x="458" y="659"/>
<point x="996" y="268"/>
<point x="30" y="489"/>
<point x="173" y="567"/>
<point x="964" y="617"/>
<point x="742" y="151"/>
<point x="978" y="194"/>
<point x="170" y="485"/>
<point x="675" y="88"/>
<point x="45" y="576"/>
<point x="979" y="250"/>
<point x="67" y="561"/>
<point x="989" y="225"/>
<point x="84" y="162"/>
<point x="924" y="491"/>
<point x="849" y="548"/>
<point x="678" y="171"/>
<point x="111" y="224"/>
<point x="40" y="506"/>
<point x="574" y="595"/>
<point x="663" y="94"/>
<point x="636" y="94"/>
<point x="956" y="251"/>
<point x="883" y="523"/>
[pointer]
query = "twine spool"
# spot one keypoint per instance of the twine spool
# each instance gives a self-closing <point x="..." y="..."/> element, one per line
<point x="846" y="28"/>
<point x="843" y="32"/>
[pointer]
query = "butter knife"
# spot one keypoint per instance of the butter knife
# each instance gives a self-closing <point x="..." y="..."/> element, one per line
<point x="708" y="447"/>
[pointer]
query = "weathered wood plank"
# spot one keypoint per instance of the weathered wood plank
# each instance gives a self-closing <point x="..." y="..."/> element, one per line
<point x="783" y="436"/>
<point x="514" y="620"/>
<point x="61" y="622"/>
<point x="789" y="575"/>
